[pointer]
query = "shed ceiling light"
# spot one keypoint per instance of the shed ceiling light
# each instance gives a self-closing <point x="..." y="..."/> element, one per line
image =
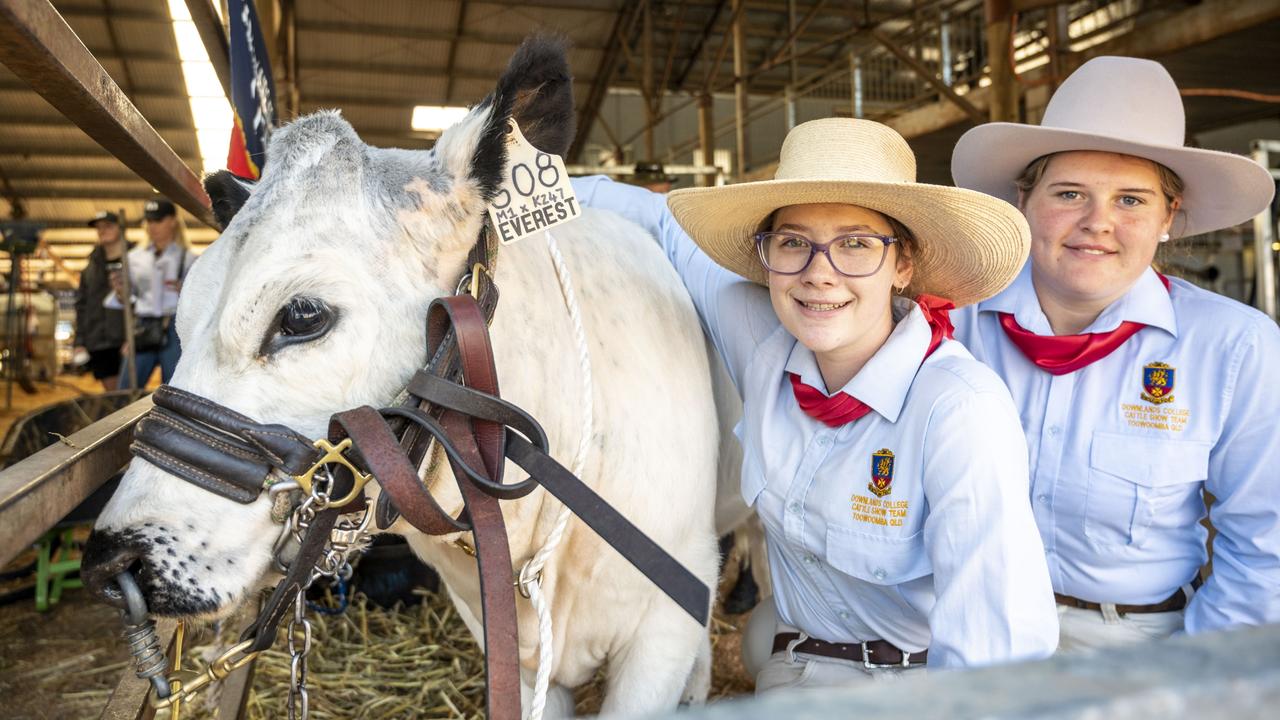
<point x="435" y="118"/>
<point x="209" y="107"/>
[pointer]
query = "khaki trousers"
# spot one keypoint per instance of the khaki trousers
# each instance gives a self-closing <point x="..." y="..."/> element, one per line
<point x="1080" y="629"/>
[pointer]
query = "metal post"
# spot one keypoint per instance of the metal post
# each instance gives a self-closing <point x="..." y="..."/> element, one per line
<point x="855" y="74"/>
<point x="944" y="40"/>
<point x="740" y="87"/>
<point x="130" y="374"/>
<point x="1264" y="238"/>
<point x="706" y="136"/>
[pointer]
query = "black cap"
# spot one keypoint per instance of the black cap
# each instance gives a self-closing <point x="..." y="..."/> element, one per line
<point x="158" y="209"/>
<point x="103" y="215"/>
<point x="648" y="171"/>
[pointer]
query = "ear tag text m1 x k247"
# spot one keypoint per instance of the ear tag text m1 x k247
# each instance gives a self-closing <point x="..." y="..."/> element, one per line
<point x="535" y="194"/>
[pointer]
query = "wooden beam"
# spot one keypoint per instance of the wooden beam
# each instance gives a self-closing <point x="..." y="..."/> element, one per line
<point x="115" y="45"/>
<point x="714" y="69"/>
<point x="1195" y="25"/>
<point x="789" y="43"/>
<point x="118" y="191"/>
<point x="399" y="32"/>
<point x="450" y="64"/>
<point x="999" y="38"/>
<point x="600" y="85"/>
<point x="40" y="48"/>
<point x="697" y="47"/>
<point x="924" y="73"/>
<point x="740" y="87"/>
<point x="36" y="492"/>
<point x="399" y="70"/>
<point x="1198" y="24"/>
<point x="936" y="116"/>
<point x="214" y="36"/>
<point x="646" y="75"/>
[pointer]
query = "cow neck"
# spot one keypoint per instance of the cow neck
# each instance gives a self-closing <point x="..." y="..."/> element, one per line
<point x="444" y="361"/>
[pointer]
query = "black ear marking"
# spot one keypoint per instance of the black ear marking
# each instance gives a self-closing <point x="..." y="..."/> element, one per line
<point x="228" y="194"/>
<point x="537" y="90"/>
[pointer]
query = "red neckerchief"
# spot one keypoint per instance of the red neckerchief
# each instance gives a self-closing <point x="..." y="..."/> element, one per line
<point x="1062" y="354"/>
<point x="841" y="408"/>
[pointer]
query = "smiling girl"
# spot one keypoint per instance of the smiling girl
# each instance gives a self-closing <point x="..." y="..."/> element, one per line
<point x="886" y="464"/>
<point x="1138" y="393"/>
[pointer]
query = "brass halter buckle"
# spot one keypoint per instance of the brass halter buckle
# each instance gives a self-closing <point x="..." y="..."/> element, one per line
<point x="333" y="455"/>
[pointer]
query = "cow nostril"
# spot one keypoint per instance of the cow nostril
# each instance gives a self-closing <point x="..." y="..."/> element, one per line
<point x="106" y="555"/>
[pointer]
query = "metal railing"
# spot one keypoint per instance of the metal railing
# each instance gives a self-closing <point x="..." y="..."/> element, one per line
<point x="950" y="42"/>
<point x="38" y="45"/>
<point x="1215" y="676"/>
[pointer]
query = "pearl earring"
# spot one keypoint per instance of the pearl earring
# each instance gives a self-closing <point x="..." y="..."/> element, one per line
<point x="1164" y="237"/>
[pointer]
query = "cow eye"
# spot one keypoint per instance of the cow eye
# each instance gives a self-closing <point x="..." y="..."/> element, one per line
<point x="301" y="320"/>
<point x="304" y="317"/>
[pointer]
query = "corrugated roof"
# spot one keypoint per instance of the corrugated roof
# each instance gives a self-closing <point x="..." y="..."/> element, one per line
<point x="378" y="58"/>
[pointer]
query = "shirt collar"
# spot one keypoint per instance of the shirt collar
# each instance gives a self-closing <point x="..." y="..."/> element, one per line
<point x="1147" y="302"/>
<point x="883" y="383"/>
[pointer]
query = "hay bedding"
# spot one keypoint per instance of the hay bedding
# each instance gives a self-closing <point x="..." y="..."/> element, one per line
<point x="369" y="663"/>
<point x="416" y="662"/>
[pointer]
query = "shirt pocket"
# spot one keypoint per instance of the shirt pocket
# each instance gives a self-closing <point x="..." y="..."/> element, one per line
<point x="1135" y="480"/>
<point x="877" y="559"/>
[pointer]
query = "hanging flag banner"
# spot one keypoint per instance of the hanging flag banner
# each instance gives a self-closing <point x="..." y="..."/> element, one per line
<point x="253" y="92"/>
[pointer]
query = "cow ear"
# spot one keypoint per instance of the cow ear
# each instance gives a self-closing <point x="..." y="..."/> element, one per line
<point x="537" y="91"/>
<point x="228" y="194"/>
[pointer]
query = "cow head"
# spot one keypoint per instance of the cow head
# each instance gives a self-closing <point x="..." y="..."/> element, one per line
<point x="310" y="302"/>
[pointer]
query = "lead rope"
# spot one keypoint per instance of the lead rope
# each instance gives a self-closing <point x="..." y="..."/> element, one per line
<point x="530" y="583"/>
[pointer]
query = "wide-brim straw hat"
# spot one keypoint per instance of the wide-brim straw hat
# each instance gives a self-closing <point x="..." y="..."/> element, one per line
<point x="969" y="246"/>
<point x="1119" y="105"/>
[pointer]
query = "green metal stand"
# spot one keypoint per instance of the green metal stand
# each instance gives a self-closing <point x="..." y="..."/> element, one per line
<point x="51" y="572"/>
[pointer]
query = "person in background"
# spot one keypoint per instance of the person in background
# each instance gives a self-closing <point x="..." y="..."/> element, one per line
<point x="1140" y="394"/>
<point x="887" y="465"/>
<point x="156" y="271"/>
<point x="99" y="330"/>
<point x="651" y="176"/>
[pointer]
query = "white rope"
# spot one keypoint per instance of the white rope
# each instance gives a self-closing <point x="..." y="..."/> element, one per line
<point x="531" y="573"/>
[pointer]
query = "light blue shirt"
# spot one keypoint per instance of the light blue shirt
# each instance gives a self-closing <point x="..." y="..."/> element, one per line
<point x="948" y="558"/>
<point x="1117" y="473"/>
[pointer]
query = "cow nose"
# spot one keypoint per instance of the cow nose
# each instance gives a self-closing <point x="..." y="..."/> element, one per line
<point x="106" y="555"/>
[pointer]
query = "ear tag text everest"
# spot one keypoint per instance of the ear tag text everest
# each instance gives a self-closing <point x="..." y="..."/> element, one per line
<point x="535" y="194"/>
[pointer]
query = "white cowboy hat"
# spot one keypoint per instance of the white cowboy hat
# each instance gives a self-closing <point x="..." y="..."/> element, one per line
<point x="1120" y="105"/>
<point x="969" y="246"/>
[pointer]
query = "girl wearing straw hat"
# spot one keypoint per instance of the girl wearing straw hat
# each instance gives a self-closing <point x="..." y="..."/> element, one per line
<point x="1138" y="393"/>
<point x="888" y="466"/>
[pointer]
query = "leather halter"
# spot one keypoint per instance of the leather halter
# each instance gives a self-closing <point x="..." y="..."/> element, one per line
<point x="454" y="402"/>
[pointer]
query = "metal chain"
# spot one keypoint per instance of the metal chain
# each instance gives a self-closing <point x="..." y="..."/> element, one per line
<point x="299" y="627"/>
<point x="346" y="538"/>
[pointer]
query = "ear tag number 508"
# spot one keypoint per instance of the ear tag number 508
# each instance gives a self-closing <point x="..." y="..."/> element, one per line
<point x="535" y="194"/>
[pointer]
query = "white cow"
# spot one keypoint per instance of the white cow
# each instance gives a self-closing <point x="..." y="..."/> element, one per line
<point x="375" y="235"/>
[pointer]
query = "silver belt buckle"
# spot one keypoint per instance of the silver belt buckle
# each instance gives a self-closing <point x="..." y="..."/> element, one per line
<point x="866" y="660"/>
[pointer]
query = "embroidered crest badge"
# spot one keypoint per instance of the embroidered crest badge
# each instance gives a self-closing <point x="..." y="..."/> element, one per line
<point x="1157" y="383"/>
<point x="881" y="473"/>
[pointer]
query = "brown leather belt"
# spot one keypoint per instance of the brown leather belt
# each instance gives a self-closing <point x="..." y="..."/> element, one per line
<point x="1174" y="602"/>
<point x="872" y="654"/>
